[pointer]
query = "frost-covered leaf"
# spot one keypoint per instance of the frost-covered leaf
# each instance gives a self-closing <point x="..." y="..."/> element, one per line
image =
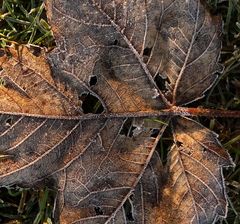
<point x="28" y="86"/>
<point x="94" y="162"/>
<point x="195" y="192"/>
<point x="94" y="184"/>
<point x="141" y="205"/>
<point x="108" y="58"/>
<point x="97" y="57"/>
<point x="134" y="41"/>
<point x="187" y="46"/>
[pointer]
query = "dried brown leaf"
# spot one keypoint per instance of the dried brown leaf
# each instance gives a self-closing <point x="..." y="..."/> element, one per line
<point x="187" y="47"/>
<point x="141" y="205"/>
<point x="94" y="185"/>
<point x="99" y="49"/>
<point x="29" y="86"/>
<point x="114" y="51"/>
<point x="41" y="147"/>
<point x="195" y="192"/>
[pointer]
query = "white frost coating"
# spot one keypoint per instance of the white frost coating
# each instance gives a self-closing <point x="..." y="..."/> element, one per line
<point x="181" y="110"/>
<point x="156" y="94"/>
<point x="139" y="127"/>
<point x="137" y="131"/>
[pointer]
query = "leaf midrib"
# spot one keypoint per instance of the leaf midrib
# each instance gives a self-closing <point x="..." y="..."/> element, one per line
<point x="186" y="58"/>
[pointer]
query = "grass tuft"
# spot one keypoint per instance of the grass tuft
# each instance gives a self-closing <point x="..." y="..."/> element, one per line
<point x="24" y="22"/>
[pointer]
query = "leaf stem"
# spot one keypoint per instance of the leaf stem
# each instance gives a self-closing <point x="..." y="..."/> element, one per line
<point x="209" y="112"/>
<point x="173" y="111"/>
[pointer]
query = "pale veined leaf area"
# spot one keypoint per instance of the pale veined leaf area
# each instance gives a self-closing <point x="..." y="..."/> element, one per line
<point x="140" y="207"/>
<point x="91" y="163"/>
<point x="195" y="192"/>
<point x="30" y="88"/>
<point x="72" y="118"/>
<point x="138" y="41"/>
<point x="106" y="185"/>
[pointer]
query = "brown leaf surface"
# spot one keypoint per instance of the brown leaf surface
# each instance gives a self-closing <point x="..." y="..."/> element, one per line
<point x="195" y="192"/>
<point x="94" y="185"/>
<point x="94" y="164"/>
<point x="194" y="44"/>
<point x="99" y="49"/>
<point x="113" y="51"/>
<point x="29" y="86"/>
<point x="136" y="42"/>
<point x="140" y="207"/>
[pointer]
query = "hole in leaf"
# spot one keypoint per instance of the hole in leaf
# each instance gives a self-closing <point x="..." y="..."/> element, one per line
<point x="98" y="211"/>
<point x="91" y="104"/>
<point x="2" y="80"/>
<point x="128" y="208"/>
<point x="8" y="53"/>
<point x="93" y="81"/>
<point x="128" y="128"/>
<point x="115" y="42"/>
<point x="36" y="51"/>
<point x="179" y="144"/>
<point x="147" y="51"/>
<point x="164" y="145"/>
<point x="163" y="148"/>
<point x="161" y="83"/>
<point x="9" y="121"/>
<point x="155" y="132"/>
<point x="130" y="134"/>
<point x="2" y="53"/>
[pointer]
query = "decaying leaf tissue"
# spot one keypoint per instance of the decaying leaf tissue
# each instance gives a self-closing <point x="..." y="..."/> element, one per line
<point x="100" y="156"/>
